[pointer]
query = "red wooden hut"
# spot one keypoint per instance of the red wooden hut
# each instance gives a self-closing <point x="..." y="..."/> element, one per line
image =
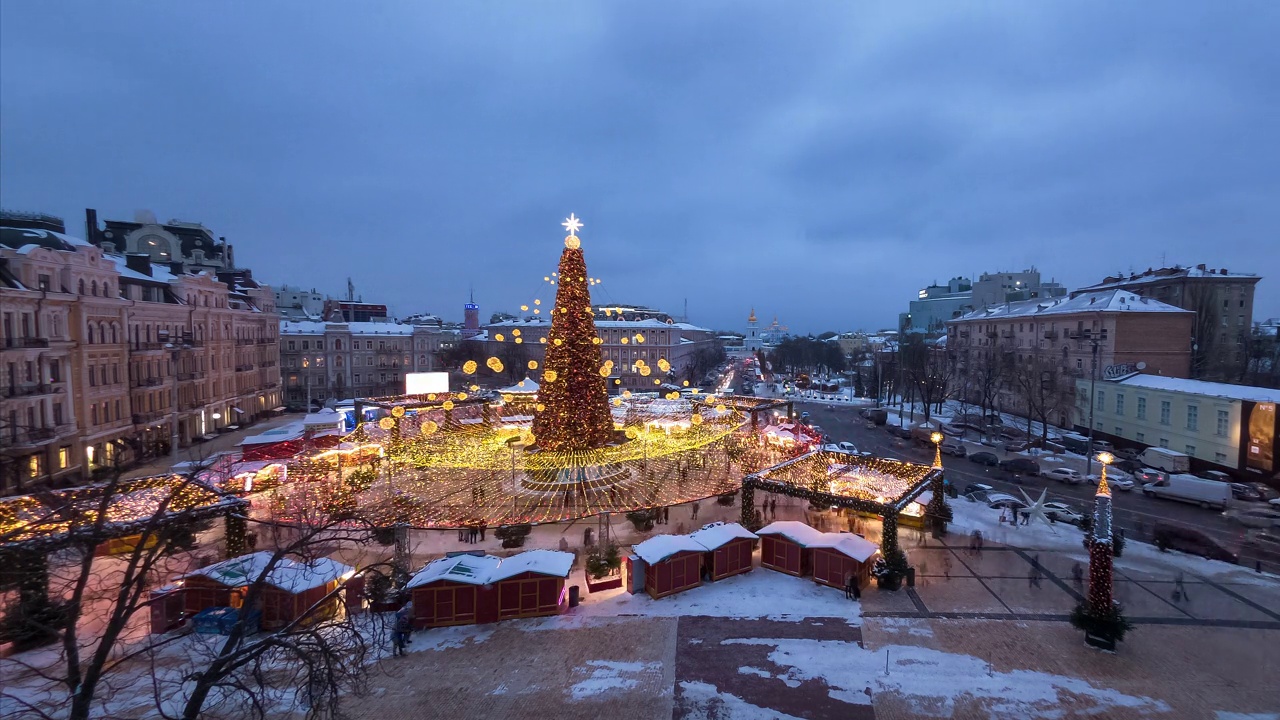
<point x="531" y="584"/>
<point x="447" y="591"/>
<point x="673" y="563"/>
<point x="289" y="590"/>
<point x="786" y="546"/>
<point x="729" y="549"/>
<point x="839" y="556"/>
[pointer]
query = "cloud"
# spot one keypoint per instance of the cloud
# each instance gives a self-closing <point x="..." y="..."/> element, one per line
<point x="819" y="163"/>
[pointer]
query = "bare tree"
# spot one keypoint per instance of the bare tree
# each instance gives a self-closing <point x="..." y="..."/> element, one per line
<point x="1041" y="385"/>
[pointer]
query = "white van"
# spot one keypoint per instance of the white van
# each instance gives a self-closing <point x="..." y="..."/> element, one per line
<point x="1189" y="488"/>
<point x="1165" y="459"/>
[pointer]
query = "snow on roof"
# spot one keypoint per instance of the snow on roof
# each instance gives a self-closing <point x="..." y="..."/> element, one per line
<point x="470" y="569"/>
<point x="316" y="327"/>
<point x="325" y="417"/>
<point x="1201" y="387"/>
<point x="1103" y="301"/>
<point x="159" y="273"/>
<point x="854" y="546"/>
<point x="1174" y="273"/>
<point x="793" y="530"/>
<point x="527" y="385"/>
<point x="288" y="574"/>
<point x="543" y="562"/>
<point x="660" y="547"/>
<point x="717" y="534"/>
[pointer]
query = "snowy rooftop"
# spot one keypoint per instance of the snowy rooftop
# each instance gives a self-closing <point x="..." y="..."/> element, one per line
<point x="288" y="575"/>
<point x="854" y="546"/>
<point x="793" y="530"/>
<point x="1173" y="273"/>
<point x="543" y="562"/>
<point x="1104" y="301"/>
<point x="717" y="534"/>
<point x="470" y="569"/>
<point x="527" y="385"/>
<point x="660" y="547"/>
<point x="315" y="327"/>
<point x="1201" y="387"/>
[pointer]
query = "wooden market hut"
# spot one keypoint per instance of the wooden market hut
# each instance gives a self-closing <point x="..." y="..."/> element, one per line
<point x="787" y="546"/>
<point x="673" y="563"/>
<point x="289" y="589"/>
<point x="447" y="591"/>
<point x="530" y="584"/>
<point x="838" y="556"/>
<point x="729" y="549"/>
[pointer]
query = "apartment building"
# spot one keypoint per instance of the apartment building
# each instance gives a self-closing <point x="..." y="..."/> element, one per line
<point x="1222" y="427"/>
<point x="1058" y="339"/>
<point x="340" y="360"/>
<point x="104" y="353"/>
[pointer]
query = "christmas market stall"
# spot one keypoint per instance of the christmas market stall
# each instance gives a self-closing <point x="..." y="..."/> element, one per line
<point x="671" y="564"/>
<point x="531" y="584"/>
<point x="729" y="549"/>
<point x="447" y="591"/>
<point x="837" y="557"/>
<point x="787" y="546"/>
<point x="290" y="589"/>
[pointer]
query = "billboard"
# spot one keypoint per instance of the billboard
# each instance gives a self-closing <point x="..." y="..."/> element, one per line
<point x="426" y="382"/>
<point x="1261" y="430"/>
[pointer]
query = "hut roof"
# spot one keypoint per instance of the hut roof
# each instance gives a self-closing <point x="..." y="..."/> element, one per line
<point x="287" y="574"/>
<point x="854" y="546"/>
<point x="471" y="569"/>
<point x="660" y="547"/>
<point x="793" y="530"/>
<point x="543" y="562"/>
<point x="717" y="534"/>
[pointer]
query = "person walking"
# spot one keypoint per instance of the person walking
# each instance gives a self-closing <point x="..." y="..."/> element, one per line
<point x="473" y="534"/>
<point x="483" y="525"/>
<point x="848" y="586"/>
<point x="1077" y="576"/>
<point x="695" y="510"/>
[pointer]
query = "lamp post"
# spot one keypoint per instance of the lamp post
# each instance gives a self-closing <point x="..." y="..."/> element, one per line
<point x="173" y="435"/>
<point x="937" y="449"/>
<point x="1093" y="403"/>
<point x="306" y="377"/>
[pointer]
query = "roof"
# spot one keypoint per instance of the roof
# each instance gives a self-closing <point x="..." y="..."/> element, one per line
<point x="470" y="569"/>
<point x="1201" y="387"/>
<point x="793" y="530"/>
<point x="288" y="574"/>
<point x="542" y="562"/>
<point x="660" y="547"/>
<point x="20" y="237"/>
<point x="717" y="534"/>
<point x="527" y="385"/>
<point x="316" y="327"/>
<point x="1153" y="276"/>
<point x="846" y="543"/>
<point x="1104" y="301"/>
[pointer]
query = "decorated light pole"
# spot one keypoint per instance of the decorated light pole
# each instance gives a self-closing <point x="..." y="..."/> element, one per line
<point x="1099" y="616"/>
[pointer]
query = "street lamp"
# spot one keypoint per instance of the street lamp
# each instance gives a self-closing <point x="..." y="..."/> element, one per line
<point x="936" y="437"/>
<point x="1106" y="459"/>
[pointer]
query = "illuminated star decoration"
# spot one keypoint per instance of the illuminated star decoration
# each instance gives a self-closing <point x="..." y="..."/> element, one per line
<point x="1035" y="509"/>
<point x="572" y="224"/>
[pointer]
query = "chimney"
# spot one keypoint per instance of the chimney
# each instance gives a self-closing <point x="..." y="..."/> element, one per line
<point x="90" y="224"/>
<point x="175" y="268"/>
<point x="138" y="262"/>
<point x="1200" y="267"/>
<point x="1224" y="271"/>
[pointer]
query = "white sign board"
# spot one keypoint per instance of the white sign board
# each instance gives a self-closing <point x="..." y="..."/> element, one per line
<point x="426" y="382"/>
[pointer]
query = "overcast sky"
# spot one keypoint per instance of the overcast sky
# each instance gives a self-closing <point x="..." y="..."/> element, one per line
<point x="821" y="164"/>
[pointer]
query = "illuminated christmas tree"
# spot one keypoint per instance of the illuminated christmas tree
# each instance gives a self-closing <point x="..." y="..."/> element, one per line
<point x="1099" y="615"/>
<point x="575" y="403"/>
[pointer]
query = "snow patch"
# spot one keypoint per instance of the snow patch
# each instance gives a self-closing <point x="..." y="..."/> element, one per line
<point x="608" y="675"/>
<point x="703" y="701"/>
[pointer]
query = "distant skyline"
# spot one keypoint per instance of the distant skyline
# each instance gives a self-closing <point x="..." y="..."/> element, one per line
<point x="820" y="163"/>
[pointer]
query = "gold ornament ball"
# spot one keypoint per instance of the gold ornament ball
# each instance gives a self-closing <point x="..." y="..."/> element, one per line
<point x="533" y="364"/>
<point x="386" y="423"/>
<point x="696" y="419"/>
<point x="468" y="367"/>
<point x="397" y="411"/>
<point x="572" y="242"/>
<point x="448" y="405"/>
<point x="428" y="427"/>
<point x="499" y="337"/>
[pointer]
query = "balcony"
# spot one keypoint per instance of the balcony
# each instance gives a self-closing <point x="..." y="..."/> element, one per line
<point x="30" y="390"/>
<point x="267" y="341"/>
<point x="189" y="376"/>
<point x="1050" y="334"/>
<point x="244" y="368"/>
<point x="1006" y="333"/>
<point x="146" y="418"/>
<point x="993" y="334"/>
<point x="145" y="346"/>
<point x="26" y="342"/>
<point x="242" y="342"/>
<point x="147" y="382"/>
<point x="31" y="437"/>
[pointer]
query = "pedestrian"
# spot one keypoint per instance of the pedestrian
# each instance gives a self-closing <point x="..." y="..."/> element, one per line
<point x="475" y="534"/>
<point x="773" y="507"/>
<point x="979" y="541"/>
<point x="483" y="525"/>
<point x="857" y="591"/>
<point x="462" y="534"/>
<point x="695" y="510"/>
<point x="586" y="537"/>
<point x="848" y="586"/>
<point x="1180" y="590"/>
<point x="1004" y="515"/>
<point x="1077" y="576"/>
<point x="666" y="515"/>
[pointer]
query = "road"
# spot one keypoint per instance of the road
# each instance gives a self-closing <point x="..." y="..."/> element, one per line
<point x="1132" y="511"/>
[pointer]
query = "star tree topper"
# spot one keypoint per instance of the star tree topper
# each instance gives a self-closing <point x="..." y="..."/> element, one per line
<point x="572" y="225"/>
<point x="1036" y="509"/>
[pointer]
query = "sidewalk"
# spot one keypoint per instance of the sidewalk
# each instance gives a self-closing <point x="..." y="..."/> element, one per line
<point x="199" y="451"/>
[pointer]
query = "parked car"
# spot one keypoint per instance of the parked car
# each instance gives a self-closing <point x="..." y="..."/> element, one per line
<point x="1001" y="500"/>
<point x="1268" y="542"/>
<point x="1021" y="466"/>
<point x="1129" y="466"/>
<point x="985" y="458"/>
<point x="1115" y="479"/>
<point x="1128" y="453"/>
<point x="1263" y="518"/>
<point x="1016" y="445"/>
<point x="899" y="431"/>
<point x="953" y="447"/>
<point x="1190" y="489"/>
<point x="842" y="447"/>
<point x="1171" y="537"/>
<point x="1214" y="475"/>
<point x="977" y="487"/>
<point x="1265" y="491"/>
<point x="1061" y="512"/>
<point x="1149" y="475"/>
<point x="1066" y="475"/>
<point x="1166" y="459"/>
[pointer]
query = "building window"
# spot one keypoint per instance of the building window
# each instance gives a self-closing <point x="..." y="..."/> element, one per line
<point x="1165" y="411"/>
<point x="1191" y="450"/>
<point x="319" y="344"/>
<point x="1142" y="408"/>
<point x="1141" y="437"/>
<point x="292" y="345"/>
<point x="1220" y="458"/>
<point x="1120" y="403"/>
<point x="33" y="466"/>
<point x="1102" y="396"/>
<point x="306" y="344"/>
<point x="1164" y="443"/>
<point x="64" y="457"/>
<point x="1224" y="417"/>
<point x="1193" y="418"/>
<point x="1119" y="431"/>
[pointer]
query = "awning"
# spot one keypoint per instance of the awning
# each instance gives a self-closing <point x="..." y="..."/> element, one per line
<point x="280" y="408"/>
<point x="238" y="410"/>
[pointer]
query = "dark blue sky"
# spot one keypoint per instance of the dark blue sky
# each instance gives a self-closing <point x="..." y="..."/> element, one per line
<point x="820" y="164"/>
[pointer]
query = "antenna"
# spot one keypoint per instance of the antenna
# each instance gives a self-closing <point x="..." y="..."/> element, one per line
<point x="351" y="291"/>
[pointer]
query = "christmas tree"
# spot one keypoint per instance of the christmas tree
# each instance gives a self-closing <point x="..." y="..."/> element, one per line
<point x="575" y="403"/>
<point x="1099" y="615"/>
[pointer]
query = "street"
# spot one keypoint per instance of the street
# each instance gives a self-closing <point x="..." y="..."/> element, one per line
<point x="1135" y="513"/>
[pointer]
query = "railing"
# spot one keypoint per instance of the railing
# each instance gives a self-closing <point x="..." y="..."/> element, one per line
<point x="147" y="382"/>
<point x="184" y="377"/>
<point x="244" y="368"/>
<point x="141" y="346"/>
<point x="39" y="434"/>
<point x="28" y="390"/>
<point x="268" y="363"/>
<point x="993" y="334"/>
<point x="267" y="341"/>
<point x="26" y="342"/>
<point x="146" y="418"/>
<point x="1006" y="333"/>
<point x="1050" y="334"/>
<point x="241" y="342"/>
